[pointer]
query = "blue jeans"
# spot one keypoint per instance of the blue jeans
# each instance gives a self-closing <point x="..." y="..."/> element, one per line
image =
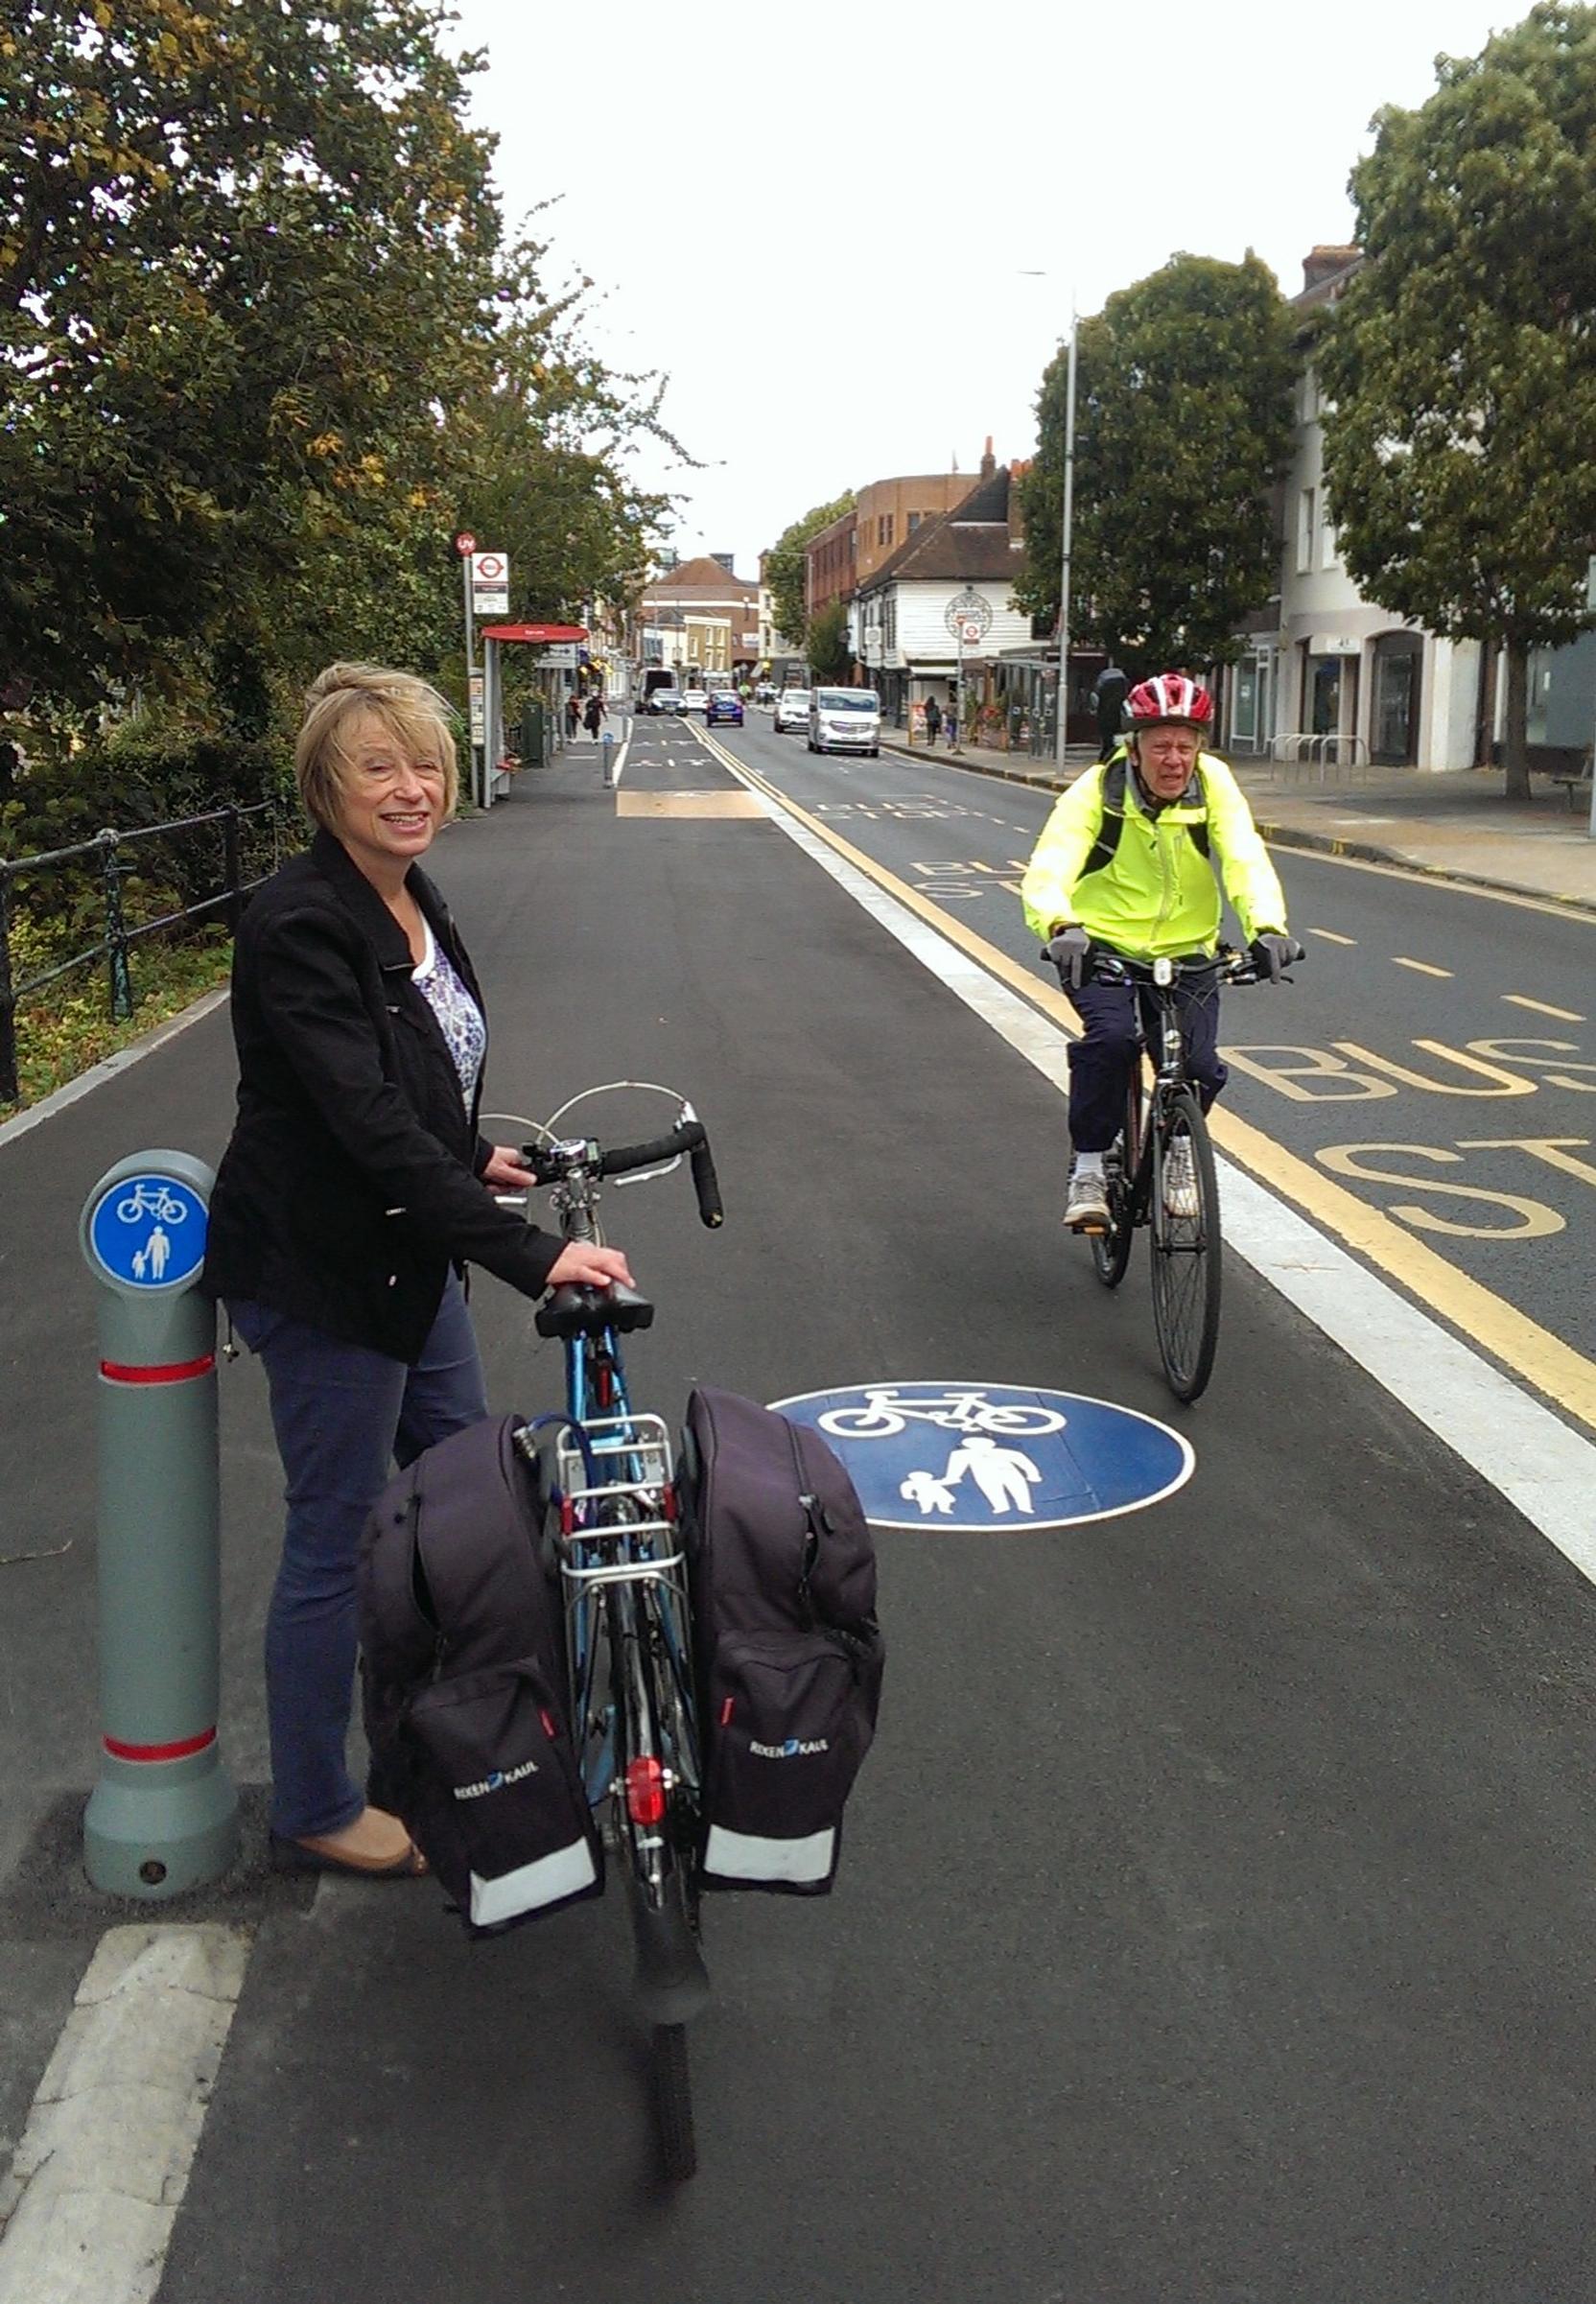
<point x="342" y="1416"/>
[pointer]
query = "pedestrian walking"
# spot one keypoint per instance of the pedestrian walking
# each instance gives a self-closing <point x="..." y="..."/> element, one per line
<point x="934" y="719"/>
<point x="1108" y="699"/>
<point x="950" y="724"/>
<point x="353" y="1189"/>
<point x="572" y="714"/>
<point x="593" y="714"/>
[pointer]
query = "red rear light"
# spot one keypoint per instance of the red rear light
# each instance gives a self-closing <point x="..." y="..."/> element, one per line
<point x="645" y="1791"/>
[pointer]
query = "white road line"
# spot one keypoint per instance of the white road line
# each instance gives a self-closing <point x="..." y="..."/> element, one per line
<point x="1516" y="1445"/>
<point x="1331" y="937"/>
<point x="1422" y="967"/>
<point x="87" y="2210"/>
<point x="1522" y="999"/>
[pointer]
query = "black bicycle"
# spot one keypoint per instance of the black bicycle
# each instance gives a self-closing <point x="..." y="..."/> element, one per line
<point x="1160" y="1171"/>
<point x="628" y="1617"/>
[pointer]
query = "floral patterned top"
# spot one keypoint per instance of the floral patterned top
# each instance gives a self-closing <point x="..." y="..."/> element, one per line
<point x="459" y="1016"/>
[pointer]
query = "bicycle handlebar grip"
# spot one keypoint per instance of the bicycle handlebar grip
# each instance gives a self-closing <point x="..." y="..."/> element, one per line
<point x="627" y="1157"/>
<point x="706" y="1183"/>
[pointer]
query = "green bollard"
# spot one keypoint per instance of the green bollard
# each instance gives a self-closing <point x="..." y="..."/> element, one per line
<point x="163" y="1815"/>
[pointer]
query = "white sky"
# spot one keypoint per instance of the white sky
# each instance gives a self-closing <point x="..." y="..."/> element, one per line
<point x="817" y="224"/>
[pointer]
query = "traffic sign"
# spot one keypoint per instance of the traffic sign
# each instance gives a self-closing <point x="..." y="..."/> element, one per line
<point x="149" y="1232"/>
<point x="993" y="1459"/>
<point x="465" y="544"/>
<point x="970" y="631"/>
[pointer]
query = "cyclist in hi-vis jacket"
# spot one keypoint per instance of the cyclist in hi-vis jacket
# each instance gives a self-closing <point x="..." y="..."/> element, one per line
<point x="1127" y="859"/>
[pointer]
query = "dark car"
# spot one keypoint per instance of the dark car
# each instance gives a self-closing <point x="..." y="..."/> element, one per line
<point x="723" y="705"/>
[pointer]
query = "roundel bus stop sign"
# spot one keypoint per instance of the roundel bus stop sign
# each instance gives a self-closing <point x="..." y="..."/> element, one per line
<point x="989" y="1459"/>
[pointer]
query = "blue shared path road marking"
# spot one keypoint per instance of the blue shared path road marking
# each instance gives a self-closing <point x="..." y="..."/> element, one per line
<point x="989" y="1459"/>
<point x="149" y="1232"/>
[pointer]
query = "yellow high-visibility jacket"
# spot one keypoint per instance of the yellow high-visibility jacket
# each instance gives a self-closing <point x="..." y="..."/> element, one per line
<point x="1157" y="893"/>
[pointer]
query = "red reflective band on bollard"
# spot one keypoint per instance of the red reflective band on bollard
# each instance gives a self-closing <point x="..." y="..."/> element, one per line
<point x="179" y="1371"/>
<point x="159" y="1751"/>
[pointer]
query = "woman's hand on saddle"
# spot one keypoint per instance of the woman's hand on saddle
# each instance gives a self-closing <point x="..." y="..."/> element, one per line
<point x="579" y="1264"/>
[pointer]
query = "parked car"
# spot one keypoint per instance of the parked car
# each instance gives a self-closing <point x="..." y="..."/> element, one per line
<point x="667" y="700"/>
<point x="845" y="720"/>
<point x="792" y="711"/>
<point x="723" y="705"/>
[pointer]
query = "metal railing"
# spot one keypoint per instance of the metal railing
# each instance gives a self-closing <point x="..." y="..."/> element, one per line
<point x="1307" y="747"/>
<point x="114" y="944"/>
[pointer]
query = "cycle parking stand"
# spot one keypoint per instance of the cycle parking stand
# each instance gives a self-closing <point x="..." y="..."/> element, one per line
<point x="163" y="1817"/>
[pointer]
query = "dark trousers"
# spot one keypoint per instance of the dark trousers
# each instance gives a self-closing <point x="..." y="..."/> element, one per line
<point x="1101" y="1061"/>
<point x="342" y="1416"/>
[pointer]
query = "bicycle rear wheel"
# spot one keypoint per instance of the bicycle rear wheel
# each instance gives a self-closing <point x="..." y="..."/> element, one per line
<point x="1111" y="1250"/>
<point x="1186" y="1256"/>
<point x="654" y="1798"/>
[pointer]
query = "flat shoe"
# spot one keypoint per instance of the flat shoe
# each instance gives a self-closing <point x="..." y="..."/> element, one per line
<point x="299" y="1856"/>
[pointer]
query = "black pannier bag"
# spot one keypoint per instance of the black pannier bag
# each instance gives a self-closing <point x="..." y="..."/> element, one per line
<point x="789" y="1651"/>
<point x="463" y="1673"/>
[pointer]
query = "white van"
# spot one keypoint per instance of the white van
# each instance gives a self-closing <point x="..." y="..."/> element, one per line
<point x="845" y="720"/>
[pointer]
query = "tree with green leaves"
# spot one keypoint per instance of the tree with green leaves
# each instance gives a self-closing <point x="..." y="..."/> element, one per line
<point x="829" y="657"/>
<point x="1461" y="362"/>
<point x="264" y="347"/>
<point x="784" y="566"/>
<point x="1183" y="425"/>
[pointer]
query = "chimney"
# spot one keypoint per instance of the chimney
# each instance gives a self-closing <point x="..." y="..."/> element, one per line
<point x="1324" y="262"/>
<point x="989" y="462"/>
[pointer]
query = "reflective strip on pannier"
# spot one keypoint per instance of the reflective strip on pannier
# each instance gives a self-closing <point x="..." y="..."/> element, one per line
<point x="547" y="1880"/>
<point x="747" y="1856"/>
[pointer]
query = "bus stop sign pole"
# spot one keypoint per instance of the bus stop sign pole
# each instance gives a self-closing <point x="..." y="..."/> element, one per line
<point x="163" y="1815"/>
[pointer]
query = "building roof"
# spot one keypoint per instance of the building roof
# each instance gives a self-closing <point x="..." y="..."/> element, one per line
<point x="706" y="576"/>
<point x="972" y="543"/>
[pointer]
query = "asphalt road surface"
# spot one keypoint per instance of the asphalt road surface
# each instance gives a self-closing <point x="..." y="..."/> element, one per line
<point x="1215" y="1914"/>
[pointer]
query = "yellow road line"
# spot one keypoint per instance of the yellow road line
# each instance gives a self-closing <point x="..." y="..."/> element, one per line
<point x="1522" y="999"/>
<point x="1565" y="1376"/>
<point x="1424" y="967"/>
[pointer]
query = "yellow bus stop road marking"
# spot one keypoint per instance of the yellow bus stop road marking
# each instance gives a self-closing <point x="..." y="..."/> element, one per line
<point x="686" y="804"/>
<point x="1562" y="1375"/>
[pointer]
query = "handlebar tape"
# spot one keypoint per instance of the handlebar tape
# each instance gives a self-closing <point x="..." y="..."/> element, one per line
<point x="706" y="1183"/>
<point x="627" y="1157"/>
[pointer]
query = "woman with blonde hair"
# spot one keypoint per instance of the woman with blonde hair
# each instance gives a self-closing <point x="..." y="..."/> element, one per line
<point x="353" y="1191"/>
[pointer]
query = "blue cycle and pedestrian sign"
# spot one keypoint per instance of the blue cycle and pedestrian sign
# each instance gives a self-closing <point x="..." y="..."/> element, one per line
<point x="979" y="1459"/>
<point x="149" y="1232"/>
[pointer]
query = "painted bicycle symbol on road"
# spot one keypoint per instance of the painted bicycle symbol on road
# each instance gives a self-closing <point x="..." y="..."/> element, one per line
<point x="150" y="1197"/>
<point x="888" y="1412"/>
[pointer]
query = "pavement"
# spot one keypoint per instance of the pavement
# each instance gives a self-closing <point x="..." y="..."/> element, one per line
<point x="1454" y="822"/>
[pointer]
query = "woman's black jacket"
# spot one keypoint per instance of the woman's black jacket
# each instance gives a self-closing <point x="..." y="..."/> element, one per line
<point x="350" y="1182"/>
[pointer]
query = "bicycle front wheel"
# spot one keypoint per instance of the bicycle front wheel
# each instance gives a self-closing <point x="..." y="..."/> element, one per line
<point x="1184" y="1223"/>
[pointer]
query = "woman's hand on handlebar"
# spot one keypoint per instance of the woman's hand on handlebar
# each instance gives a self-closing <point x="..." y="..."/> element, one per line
<point x="581" y="1265"/>
<point x="507" y="1172"/>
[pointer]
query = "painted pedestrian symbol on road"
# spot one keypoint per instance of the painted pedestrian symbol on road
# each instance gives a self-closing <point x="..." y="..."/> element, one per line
<point x="149" y="1232"/>
<point x="969" y="1458"/>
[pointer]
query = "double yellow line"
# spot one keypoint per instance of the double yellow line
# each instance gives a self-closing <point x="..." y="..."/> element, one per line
<point x="1564" y="1376"/>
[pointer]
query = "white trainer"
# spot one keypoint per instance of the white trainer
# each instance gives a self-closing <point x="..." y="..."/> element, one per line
<point x="1087" y="1208"/>
<point x="1180" y="1180"/>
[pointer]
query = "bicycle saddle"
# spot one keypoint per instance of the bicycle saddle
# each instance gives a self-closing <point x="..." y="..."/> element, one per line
<point x="585" y="1311"/>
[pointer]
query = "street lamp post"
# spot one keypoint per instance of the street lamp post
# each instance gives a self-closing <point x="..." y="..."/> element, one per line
<point x="1062" y="731"/>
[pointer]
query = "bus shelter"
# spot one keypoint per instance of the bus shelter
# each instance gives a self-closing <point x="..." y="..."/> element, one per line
<point x="555" y="669"/>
